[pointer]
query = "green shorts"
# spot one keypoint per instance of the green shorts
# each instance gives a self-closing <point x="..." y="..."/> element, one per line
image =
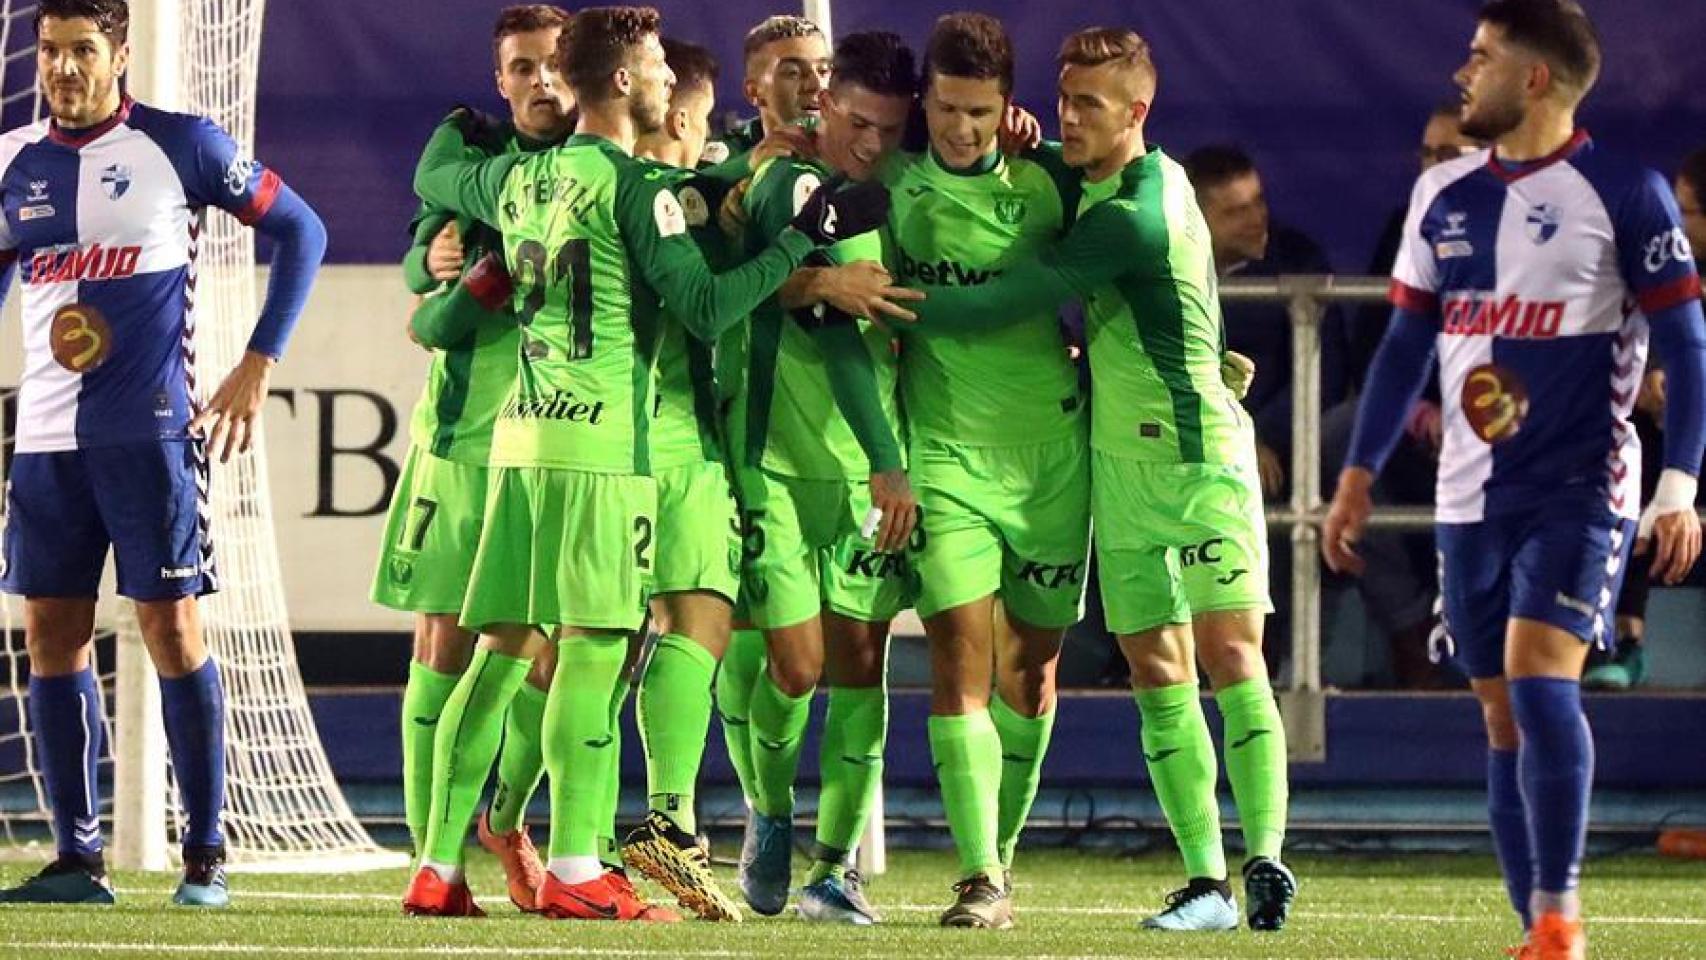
<point x="1007" y="520"/>
<point x="563" y="547"/>
<point x="698" y="531"/>
<point x="431" y="532"/>
<point x="1177" y="539"/>
<point x="802" y="552"/>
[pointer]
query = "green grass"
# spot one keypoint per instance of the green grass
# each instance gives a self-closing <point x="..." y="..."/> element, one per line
<point x="1070" y="905"/>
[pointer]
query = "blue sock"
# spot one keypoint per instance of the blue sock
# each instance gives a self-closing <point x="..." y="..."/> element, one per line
<point x="1555" y="767"/>
<point x="194" y="710"/>
<point x="1509" y="821"/>
<point x="65" y="713"/>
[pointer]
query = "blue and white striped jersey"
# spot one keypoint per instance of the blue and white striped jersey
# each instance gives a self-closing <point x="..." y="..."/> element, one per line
<point x="103" y="225"/>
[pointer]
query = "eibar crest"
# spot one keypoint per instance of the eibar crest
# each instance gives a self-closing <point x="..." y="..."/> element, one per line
<point x="1010" y="209"/>
<point x="115" y="180"/>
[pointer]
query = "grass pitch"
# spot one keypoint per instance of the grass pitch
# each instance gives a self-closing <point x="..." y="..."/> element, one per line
<point x="1070" y="904"/>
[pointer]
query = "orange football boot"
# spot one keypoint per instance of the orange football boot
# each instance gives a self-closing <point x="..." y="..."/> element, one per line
<point x="610" y="897"/>
<point x="524" y="872"/>
<point x="430" y="895"/>
<point x="1555" y="938"/>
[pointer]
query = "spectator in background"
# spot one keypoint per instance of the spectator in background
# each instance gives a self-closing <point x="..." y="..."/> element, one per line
<point x="1246" y="243"/>
<point x="1625" y="666"/>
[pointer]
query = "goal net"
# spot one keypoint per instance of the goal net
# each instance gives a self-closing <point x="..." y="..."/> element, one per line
<point x="284" y="809"/>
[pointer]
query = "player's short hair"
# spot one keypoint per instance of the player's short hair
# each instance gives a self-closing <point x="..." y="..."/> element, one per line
<point x="1095" y="46"/>
<point x="525" y="18"/>
<point x="1693" y="170"/>
<point x="877" y="60"/>
<point x="693" y="65"/>
<point x="1217" y="165"/>
<point x="772" y="29"/>
<point x="972" y="45"/>
<point x="597" y="42"/>
<point x="1557" y="30"/>
<point x="112" y="17"/>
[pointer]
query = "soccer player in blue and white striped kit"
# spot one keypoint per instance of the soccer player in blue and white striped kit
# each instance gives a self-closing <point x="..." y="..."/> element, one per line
<point x="102" y="206"/>
<point x="1537" y="269"/>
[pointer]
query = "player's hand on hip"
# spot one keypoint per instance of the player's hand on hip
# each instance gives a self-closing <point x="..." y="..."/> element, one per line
<point x="229" y="418"/>
<point x="1670" y="527"/>
<point x="865" y="289"/>
<point x="894" y="508"/>
<point x="1020" y="130"/>
<point x="444" y="253"/>
<point x="1346" y="518"/>
<point x="1237" y="372"/>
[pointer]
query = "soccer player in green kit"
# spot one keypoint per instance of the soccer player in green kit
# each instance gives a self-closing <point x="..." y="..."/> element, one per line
<point x="1174" y="493"/>
<point x="786" y="59"/>
<point x="595" y="241"/>
<point x="434" y="521"/>
<point x="999" y="454"/>
<point x="814" y="579"/>
<point x="696" y="576"/>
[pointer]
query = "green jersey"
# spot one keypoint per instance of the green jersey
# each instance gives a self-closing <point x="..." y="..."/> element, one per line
<point x="469" y="380"/>
<point x="684" y="413"/>
<point x="786" y="416"/>
<point x="596" y="242"/>
<point x="1139" y="256"/>
<point x="995" y="385"/>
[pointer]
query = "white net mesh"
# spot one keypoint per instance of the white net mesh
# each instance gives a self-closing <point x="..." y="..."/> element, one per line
<point x="283" y="807"/>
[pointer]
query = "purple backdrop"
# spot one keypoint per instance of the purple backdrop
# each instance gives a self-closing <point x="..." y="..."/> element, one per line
<point x="1329" y="97"/>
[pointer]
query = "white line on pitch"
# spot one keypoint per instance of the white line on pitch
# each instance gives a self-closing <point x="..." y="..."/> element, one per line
<point x="1302" y="912"/>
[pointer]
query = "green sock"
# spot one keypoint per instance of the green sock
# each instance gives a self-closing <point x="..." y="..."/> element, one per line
<point x="521" y="762"/>
<point x="967" y="751"/>
<point x="850" y="764"/>
<point x="778" y="727"/>
<point x="579" y="741"/>
<point x="609" y="850"/>
<point x="736" y="676"/>
<point x="675" y="713"/>
<point x="1179" y="753"/>
<point x="469" y="730"/>
<point x="1256" y="763"/>
<point x="423" y="702"/>
<point x="1024" y="743"/>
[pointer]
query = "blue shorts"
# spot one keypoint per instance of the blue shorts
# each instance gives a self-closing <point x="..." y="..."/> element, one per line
<point x="147" y="501"/>
<point x="1561" y="564"/>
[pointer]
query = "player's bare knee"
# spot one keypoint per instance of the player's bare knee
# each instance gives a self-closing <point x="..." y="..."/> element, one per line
<point x="796" y="675"/>
<point x="171" y="630"/>
<point x="441" y="644"/>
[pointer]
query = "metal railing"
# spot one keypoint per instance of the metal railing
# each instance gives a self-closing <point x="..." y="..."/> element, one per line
<point x="1303" y="703"/>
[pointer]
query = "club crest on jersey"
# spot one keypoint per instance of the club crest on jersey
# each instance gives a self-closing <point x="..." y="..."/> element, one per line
<point x="115" y="180"/>
<point x="1010" y="210"/>
<point x="1543" y="219"/>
